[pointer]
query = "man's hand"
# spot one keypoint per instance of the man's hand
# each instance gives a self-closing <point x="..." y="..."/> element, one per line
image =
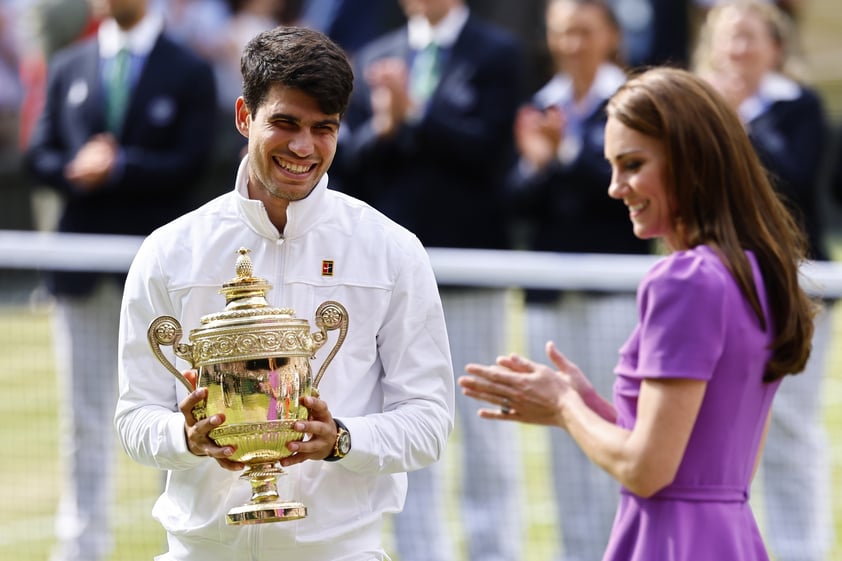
<point x="92" y="165"/>
<point x="196" y="432"/>
<point x="321" y="429"/>
<point x="390" y="102"/>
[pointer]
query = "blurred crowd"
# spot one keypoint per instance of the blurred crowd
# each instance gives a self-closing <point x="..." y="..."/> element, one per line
<point x="31" y="31"/>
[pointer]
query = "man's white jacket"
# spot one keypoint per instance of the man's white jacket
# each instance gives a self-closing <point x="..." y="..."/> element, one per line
<point x="391" y="381"/>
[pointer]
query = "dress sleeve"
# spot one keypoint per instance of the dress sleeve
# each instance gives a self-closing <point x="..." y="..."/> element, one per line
<point x="682" y="317"/>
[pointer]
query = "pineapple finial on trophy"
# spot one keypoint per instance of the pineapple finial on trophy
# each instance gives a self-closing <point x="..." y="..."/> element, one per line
<point x="246" y="290"/>
<point x="244" y="266"/>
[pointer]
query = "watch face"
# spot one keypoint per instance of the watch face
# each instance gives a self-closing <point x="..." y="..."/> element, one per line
<point x="343" y="444"/>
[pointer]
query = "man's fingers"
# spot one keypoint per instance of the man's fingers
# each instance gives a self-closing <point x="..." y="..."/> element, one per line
<point x="192" y="376"/>
<point x="189" y="402"/>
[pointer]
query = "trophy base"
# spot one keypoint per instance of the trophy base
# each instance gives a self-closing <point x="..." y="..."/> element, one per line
<point x="260" y="513"/>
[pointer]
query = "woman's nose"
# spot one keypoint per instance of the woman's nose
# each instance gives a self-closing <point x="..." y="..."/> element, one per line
<point x="617" y="189"/>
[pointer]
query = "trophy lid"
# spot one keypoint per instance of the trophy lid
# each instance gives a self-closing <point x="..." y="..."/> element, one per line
<point x="246" y="303"/>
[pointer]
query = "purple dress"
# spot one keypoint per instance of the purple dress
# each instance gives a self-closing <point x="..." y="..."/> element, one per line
<point x="695" y="323"/>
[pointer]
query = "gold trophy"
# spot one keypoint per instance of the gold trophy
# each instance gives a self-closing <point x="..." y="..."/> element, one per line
<point x="255" y="362"/>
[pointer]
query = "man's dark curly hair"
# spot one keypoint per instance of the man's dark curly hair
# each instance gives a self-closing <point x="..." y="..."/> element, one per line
<point x="299" y="58"/>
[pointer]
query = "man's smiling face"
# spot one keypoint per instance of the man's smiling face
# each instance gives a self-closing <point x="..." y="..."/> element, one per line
<point x="291" y="144"/>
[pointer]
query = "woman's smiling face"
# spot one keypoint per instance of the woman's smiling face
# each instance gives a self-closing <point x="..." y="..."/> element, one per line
<point x="639" y="179"/>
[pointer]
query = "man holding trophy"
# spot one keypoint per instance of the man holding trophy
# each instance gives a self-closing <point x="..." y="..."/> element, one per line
<point x="336" y="446"/>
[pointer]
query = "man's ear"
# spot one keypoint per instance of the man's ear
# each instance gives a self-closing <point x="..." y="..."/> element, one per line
<point x="242" y="117"/>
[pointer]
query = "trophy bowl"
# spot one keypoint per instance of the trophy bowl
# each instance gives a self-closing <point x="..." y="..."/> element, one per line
<point x="254" y="361"/>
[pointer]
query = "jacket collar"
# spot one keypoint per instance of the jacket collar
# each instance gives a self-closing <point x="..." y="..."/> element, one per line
<point x="559" y="90"/>
<point x="774" y="87"/>
<point x="301" y="215"/>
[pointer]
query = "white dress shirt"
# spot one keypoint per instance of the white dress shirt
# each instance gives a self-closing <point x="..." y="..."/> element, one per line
<point x="421" y="32"/>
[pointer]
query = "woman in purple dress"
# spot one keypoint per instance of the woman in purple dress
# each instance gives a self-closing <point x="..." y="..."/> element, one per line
<point x="722" y="320"/>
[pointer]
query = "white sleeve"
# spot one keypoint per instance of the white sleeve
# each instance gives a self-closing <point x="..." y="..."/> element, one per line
<point x="418" y="383"/>
<point x="148" y="422"/>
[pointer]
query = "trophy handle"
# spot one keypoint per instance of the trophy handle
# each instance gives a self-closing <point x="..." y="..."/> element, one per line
<point x="165" y="330"/>
<point x="330" y="315"/>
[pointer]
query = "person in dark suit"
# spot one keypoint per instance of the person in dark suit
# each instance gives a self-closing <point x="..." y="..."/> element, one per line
<point x="124" y="156"/>
<point x="558" y="190"/>
<point x="429" y="138"/>
<point x="352" y="23"/>
<point x="747" y="50"/>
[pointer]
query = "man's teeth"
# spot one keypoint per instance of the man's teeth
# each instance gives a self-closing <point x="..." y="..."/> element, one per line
<point x="294" y="168"/>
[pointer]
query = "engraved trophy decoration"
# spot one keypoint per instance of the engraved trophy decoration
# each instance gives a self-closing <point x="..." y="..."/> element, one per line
<point x="255" y="362"/>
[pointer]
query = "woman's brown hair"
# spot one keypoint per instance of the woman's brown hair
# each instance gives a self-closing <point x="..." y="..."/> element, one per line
<point x="724" y="199"/>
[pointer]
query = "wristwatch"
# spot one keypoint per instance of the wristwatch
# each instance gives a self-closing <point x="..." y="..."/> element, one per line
<point x="343" y="442"/>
